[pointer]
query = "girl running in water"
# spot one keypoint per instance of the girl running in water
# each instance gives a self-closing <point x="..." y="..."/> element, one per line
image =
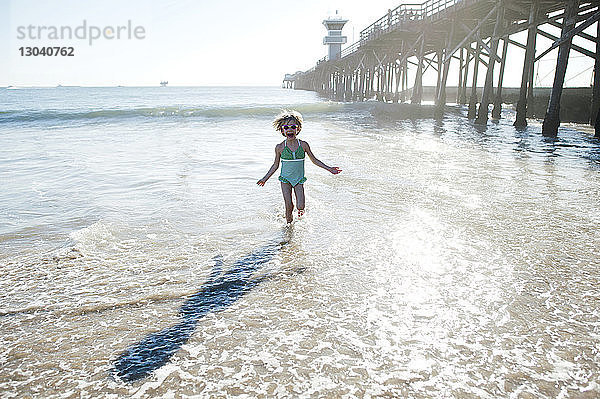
<point x="291" y="152"/>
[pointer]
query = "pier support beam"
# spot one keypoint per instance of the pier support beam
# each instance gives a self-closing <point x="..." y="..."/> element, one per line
<point x="348" y="94"/>
<point x="440" y="65"/>
<point x="398" y="76"/>
<point x="521" y="118"/>
<point x="482" y="114"/>
<point x="417" y="94"/>
<point x="405" y="82"/>
<point x="595" y="120"/>
<point x="363" y="86"/>
<point x="463" y="90"/>
<point x="392" y="74"/>
<point x="552" y="119"/>
<point x="390" y="83"/>
<point x="531" y="100"/>
<point x="357" y="96"/>
<point x="473" y="99"/>
<point x="497" y="111"/>
<point x="370" y="84"/>
<point x="444" y="66"/>
<point x="378" y="95"/>
<point x="460" y="75"/>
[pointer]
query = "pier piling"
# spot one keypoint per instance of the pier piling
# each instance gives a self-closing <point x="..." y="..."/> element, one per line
<point x="482" y="114"/>
<point x="473" y="98"/>
<point x="497" y="110"/>
<point x="595" y="108"/>
<point x="552" y="119"/>
<point x="417" y="94"/>
<point x="521" y="118"/>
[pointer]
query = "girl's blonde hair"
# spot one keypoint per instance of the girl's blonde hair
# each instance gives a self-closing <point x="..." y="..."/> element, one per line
<point x="286" y="116"/>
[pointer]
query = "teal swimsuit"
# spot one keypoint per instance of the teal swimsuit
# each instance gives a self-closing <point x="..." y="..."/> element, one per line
<point x="292" y="165"/>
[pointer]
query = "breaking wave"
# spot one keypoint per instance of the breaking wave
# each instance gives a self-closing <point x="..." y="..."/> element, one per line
<point x="108" y="115"/>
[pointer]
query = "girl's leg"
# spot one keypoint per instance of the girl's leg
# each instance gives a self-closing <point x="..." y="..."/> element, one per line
<point x="286" y="190"/>
<point x="299" y="191"/>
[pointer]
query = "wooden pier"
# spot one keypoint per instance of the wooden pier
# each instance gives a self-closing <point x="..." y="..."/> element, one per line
<point x="474" y="33"/>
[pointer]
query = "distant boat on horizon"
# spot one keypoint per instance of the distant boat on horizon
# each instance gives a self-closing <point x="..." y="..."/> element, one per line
<point x="164" y="83"/>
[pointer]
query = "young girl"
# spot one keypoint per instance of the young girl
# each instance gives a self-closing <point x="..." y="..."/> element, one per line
<point x="291" y="153"/>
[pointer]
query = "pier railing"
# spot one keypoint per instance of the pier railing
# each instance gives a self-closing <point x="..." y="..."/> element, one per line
<point x="402" y="16"/>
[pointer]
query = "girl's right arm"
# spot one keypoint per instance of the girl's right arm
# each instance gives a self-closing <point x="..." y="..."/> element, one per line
<point x="274" y="167"/>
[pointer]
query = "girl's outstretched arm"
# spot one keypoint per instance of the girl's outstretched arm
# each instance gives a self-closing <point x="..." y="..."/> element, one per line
<point x="274" y="167"/>
<point x="332" y="169"/>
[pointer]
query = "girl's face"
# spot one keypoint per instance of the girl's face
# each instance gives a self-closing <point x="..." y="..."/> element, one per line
<point x="290" y="129"/>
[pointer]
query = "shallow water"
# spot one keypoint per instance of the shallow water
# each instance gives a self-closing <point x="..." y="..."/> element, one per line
<point x="446" y="260"/>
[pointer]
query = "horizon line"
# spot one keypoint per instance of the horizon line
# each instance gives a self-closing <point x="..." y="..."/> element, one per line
<point x="59" y="86"/>
<point x="116" y="86"/>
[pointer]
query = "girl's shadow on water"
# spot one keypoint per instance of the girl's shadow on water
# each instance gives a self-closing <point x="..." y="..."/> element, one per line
<point x="221" y="290"/>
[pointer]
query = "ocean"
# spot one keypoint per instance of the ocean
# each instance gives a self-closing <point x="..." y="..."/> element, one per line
<point x="139" y="257"/>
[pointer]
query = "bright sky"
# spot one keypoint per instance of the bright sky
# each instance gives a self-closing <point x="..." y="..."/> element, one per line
<point x="190" y="42"/>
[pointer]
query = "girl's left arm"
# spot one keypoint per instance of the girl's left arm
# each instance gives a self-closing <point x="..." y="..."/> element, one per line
<point x="332" y="169"/>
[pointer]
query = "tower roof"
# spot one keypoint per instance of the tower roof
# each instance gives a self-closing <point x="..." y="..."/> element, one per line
<point x="336" y="23"/>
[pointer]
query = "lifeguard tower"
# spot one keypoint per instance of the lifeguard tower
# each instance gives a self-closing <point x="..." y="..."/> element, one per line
<point x="334" y="38"/>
